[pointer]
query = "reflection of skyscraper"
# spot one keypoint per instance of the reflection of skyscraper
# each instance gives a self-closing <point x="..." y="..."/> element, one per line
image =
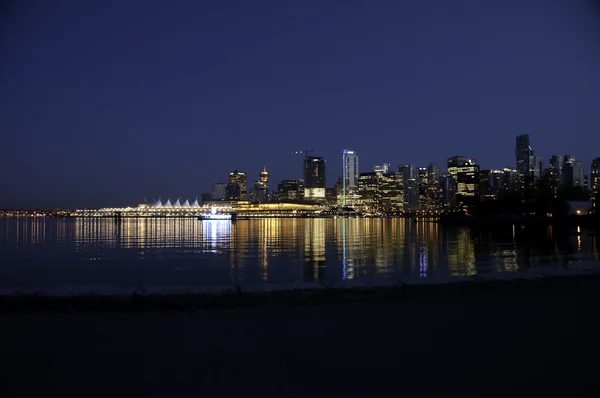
<point x="314" y="178"/>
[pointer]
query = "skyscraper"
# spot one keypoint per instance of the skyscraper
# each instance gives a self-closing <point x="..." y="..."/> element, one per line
<point x="522" y="153"/>
<point x="259" y="193"/>
<point x="555" y="171"/>
<point x="383" y="168"/>
<point x="219" y="191"/>
<point x="411" y="186"/>
<point x="236" y="187"/>
<point x="529" y="166"/>
<point x="595" y="175"/>
<point x="465" y="173"/>
<point x="349" y="173"/>
<point x="314" y="178"/>
<point x="573" y="172"/>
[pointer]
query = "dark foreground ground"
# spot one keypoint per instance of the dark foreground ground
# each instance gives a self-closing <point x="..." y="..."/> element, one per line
<point x="543" y="342"/>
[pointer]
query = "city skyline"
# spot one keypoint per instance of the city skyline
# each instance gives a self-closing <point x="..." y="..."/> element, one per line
<point x="105" y="104"/>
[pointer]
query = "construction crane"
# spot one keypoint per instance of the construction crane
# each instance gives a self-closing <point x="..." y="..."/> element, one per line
<point x="304" y="151"/>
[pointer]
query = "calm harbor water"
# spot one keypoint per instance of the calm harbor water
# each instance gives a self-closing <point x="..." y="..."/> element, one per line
<point x="187" y="252"/>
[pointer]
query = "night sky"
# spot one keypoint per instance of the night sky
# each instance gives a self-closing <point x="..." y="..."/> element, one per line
<point x="104" y="103"/>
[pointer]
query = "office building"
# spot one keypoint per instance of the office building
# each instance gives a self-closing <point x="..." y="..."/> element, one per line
<point x="383" y="168"/>
<point x="236" y="187"/>
<point x="555" y="171"/>
<point x="595" y="183"/>
<point x="218" y="192"/>
<point x="574" y="175"/>
<point x="349" y="174"/>
<point x="287" y="191"/>
<point x="595" y="175"/>
<point x="529" y="166"/>
<point x="410" y="182"/>
<point x="368" y="190"/>
<point x="465" y="173"/>
<point x="259" y="193"/>
<point x="380" y="192"/>
<point x="491" y="182"/>
<point x="314" y="178"/>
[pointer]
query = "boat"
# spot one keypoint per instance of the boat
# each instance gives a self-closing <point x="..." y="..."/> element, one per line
<point x="214" y="215"/>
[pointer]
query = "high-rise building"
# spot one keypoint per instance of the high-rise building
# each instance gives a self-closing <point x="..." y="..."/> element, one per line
<point x="522" y="153"/>
<point x="264" y="176"/>
<point x="383" y="168"/>
<point x="529" y="166"/>
<point x="314" y="178"/>
<point x="595" y="183"/>
<point x="381" y="192"/>
<point x="595" y="174"/>
<point x="349" y="174"/>
<point x="510" y="179"/>
<point x="422" y="183"/>
<point x="490" y="183"/>
<point x="218" y="192"/>
<point x="556" y="172"/>
<point x="573" y="172"/>
<point x="434" y="191"/>
<point x="259" y="193"/>
<point x="236" y="187"/>
<point x="368" y="190"/>
<point x="287" y="191"/>
<point x="411" y="186"/>
<point x="391" y="191"/>
<point x="465" y="173"/>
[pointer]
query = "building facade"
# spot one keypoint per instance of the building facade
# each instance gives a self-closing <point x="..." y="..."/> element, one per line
<point x="465" y="173"/>
<point x="314" y="178"/>
<point x="574" y="175"/>
<point x="236" y="186"/>
<point x="349" y="174"/>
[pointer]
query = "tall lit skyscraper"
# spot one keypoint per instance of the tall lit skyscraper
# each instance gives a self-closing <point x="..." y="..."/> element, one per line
<point x="411" y="186"/>
<point x="259" y="193"/>
<point x="465" y="173"/>
<point x="236" y="187"/>
<point x="314" y="178"/>
<point x="349" y="173"/>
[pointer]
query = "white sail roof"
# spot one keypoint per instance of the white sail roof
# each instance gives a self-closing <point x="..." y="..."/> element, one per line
<point x="186" y="203"/>
<point x="177" y="204"/>
<point x="168" y="204"/>
<point x="158" y="203"/>
<point x="195" y="204"/>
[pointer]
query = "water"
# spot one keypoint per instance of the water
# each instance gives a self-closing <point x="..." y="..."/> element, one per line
<point x="39" y="253"/>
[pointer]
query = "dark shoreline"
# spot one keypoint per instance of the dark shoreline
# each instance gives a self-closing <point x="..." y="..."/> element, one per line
<point x="238" y="298"/>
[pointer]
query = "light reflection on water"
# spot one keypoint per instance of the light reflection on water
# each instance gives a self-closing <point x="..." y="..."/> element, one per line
<point x="169" y="251"/>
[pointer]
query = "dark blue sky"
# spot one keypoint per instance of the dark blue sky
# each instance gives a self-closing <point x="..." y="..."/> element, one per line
<point x="105" y="102"/>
